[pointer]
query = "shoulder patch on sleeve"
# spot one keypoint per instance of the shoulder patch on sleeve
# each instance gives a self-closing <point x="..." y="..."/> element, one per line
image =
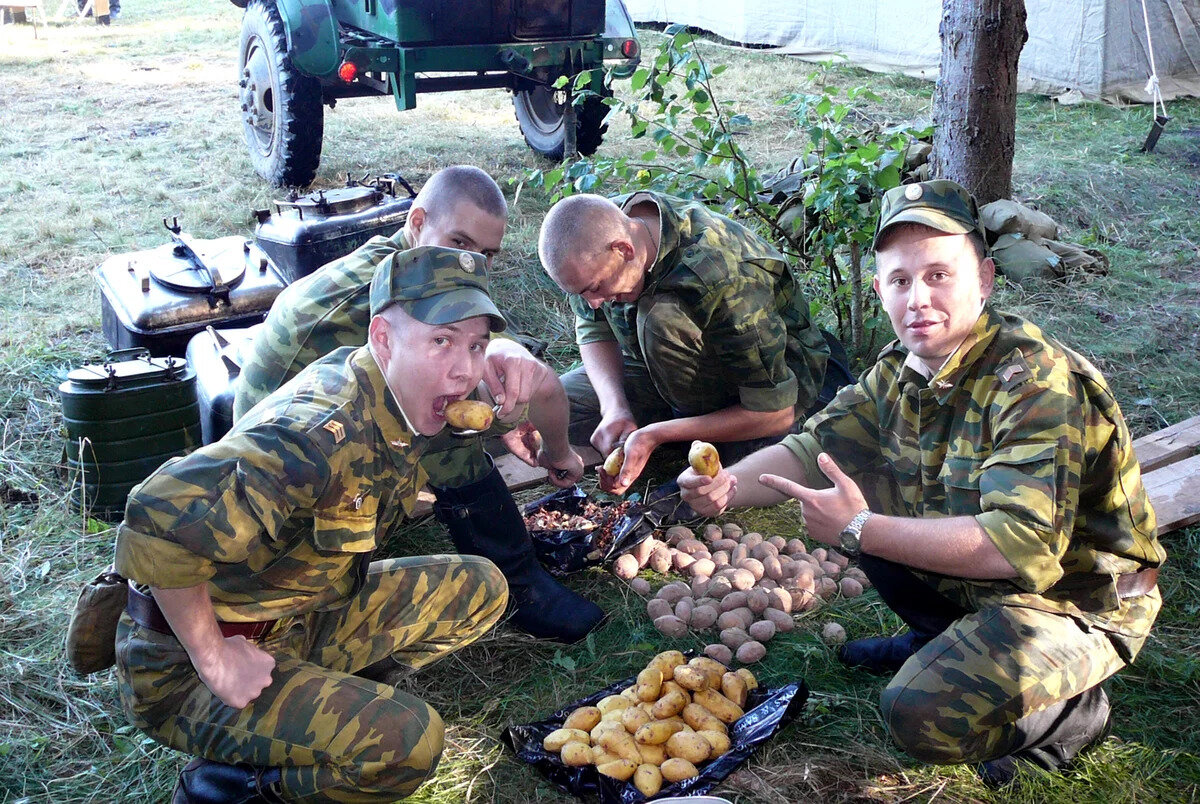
<point x="332" y="429"/>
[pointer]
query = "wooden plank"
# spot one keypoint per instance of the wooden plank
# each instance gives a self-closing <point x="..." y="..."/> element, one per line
<point x="517" y="475"/>
<point x="1167" y="446"/>
<point x="1174" y="491"/>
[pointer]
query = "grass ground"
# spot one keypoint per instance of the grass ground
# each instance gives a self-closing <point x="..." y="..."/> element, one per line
<point x="107" y="130"/>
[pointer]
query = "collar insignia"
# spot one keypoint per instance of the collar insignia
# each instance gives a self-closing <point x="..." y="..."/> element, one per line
<point x="337" y="430"/>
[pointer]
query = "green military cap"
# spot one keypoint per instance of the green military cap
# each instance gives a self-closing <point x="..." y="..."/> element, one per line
<point x="939" y="204"/>
<point x="435" y="285"/>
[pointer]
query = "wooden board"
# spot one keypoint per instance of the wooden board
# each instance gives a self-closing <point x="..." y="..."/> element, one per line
<point x="1168" y="446"/>
<point x="516" y="473"/>
<point x="1174" y="490"/>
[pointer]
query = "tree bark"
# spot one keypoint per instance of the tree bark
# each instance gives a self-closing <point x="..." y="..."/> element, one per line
<point x="975" y="104"/>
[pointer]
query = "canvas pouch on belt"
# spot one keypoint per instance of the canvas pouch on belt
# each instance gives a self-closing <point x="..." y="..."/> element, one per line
<point x="91" y="637"/>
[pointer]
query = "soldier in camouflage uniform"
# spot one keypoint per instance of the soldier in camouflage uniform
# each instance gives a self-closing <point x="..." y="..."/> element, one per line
<point x="986" y="475"/>
<point x="459" y="207"/>
<point x="689" y="326"/>
<point x="256" y="600"/>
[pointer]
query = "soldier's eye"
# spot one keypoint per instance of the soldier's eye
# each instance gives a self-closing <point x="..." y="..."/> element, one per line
<point x="441" y="340"/>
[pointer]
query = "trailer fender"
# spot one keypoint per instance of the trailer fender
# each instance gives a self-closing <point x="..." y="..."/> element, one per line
<point x="312" y="35"/>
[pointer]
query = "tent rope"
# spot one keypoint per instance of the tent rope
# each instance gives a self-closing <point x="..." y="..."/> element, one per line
<point x="1152" y="87"/>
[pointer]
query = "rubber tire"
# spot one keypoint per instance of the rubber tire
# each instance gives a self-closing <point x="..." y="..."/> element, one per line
<point x="543" y="129"/>
<point x="287" y="150"/>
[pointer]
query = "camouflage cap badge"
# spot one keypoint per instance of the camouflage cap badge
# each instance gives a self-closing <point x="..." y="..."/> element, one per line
<point x="435" y="285"/>
<point x="939" y="204"/>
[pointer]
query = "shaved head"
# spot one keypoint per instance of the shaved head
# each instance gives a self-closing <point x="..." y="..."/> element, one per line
<point x="579" y="226"/>
<point x="460" y="183"/>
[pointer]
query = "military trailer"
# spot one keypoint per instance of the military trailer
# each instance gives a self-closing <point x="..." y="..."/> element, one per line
<point x="297" y="56"/>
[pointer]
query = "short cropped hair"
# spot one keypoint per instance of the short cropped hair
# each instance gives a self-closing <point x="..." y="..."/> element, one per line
<point x="458" y="183"/>
<point x="579" y="225"/>
<point x="976" y="239"/>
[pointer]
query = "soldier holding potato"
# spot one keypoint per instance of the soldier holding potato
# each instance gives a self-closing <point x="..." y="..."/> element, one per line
<point x="987" y="477"/>
<point x="690" y="326"/>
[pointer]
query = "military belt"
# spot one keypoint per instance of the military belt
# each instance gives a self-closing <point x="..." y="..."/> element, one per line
<point x="1136" y="584"/>
<point x="146" y="613"/>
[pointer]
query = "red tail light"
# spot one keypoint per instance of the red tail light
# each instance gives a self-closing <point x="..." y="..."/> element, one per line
<point x="629" y="48"/>
<point x="348" y="71"/>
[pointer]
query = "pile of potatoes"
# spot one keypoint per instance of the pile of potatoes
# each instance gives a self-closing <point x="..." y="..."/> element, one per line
<point x="662" y="729"/>
<point x="744" y="586"/>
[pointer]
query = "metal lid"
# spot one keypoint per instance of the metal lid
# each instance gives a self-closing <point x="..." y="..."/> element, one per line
<point x="128" y="366"/>
<point x="199" y="270"/>
<point x="325" y="203"/>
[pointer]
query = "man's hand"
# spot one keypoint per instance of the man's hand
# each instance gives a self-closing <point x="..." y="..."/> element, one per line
<point x="512" y="375"/>
<point x="827" y="511"/>
<point x="639" y="445"/>
<point x="563" y="472"/>
<point x="614" y="429"/>
<point x="525" y="442"/>
<point x="237" y="672"/>
<point x="708" y="496"/>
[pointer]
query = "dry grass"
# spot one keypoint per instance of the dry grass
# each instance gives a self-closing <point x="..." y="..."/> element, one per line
<point x="108" y="130"/>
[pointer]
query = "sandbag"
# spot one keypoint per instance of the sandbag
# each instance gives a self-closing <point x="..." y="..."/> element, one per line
<point x="1021" y="259"/>
<point x="1008" y="217"/>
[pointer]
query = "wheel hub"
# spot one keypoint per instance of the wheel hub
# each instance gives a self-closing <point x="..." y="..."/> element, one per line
<point x="257" y="95"/>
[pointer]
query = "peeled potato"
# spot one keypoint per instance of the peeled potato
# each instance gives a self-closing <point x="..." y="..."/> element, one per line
<point x="648" y="779"/>
<point x="469" y="414"/>
<point x="704" y="459"/>
<point x="614" y="462"/>
<point x="677" y="769"/>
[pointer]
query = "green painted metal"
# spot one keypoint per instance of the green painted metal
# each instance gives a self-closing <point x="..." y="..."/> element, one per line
<point x="312" y="36"/>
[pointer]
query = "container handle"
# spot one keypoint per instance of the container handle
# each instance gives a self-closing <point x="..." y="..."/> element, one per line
<point x="132" y="353"/>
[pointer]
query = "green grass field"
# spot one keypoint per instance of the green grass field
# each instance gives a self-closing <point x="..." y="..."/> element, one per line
<point x="107" y="130"/>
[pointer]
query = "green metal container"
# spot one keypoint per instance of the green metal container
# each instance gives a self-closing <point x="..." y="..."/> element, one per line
<point x="124" y="418"/>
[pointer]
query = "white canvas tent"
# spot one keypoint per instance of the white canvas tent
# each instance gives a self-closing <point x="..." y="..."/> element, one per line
<point x="1095" y="47"/>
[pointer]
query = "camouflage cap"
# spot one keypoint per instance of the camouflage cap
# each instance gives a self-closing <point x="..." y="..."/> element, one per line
<point x="436" y="285"/>
<point x="939" y="204"/>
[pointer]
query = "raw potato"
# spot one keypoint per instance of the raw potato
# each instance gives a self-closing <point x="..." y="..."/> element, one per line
<point x="669" y="705"/>
<point x="691" y="546"/>
<point x="691" y="678"/>
<point x="657" y="607"/>
<point x="772" y="568"/>
<point x="783" y="622"/>
<point x="733" y="687"/>
<point x="830" y="569"/>
<point x="600" y="755"/>
<point x="555" y="740"/>
<point x="703" y="458"/>
<point x="758" y="600"/>
<point x="677" y="533"/>
<point x="660" y="559"/>
<point x="626" y="566"/>
<point x="833" y="634"/>
<point x="752" y="539"/>
<point x="763" y="630"/>
<point x="614" y="462"/>
<point x="850" y="587"/>
<point x="634" y="718"/>
<point x="622" y="769"/>
<point x="576" y="754"/>
<point x="584" y="718"/>
<point x="795" y="546"/>
<point x="676" y="769"/>
<point x="827" y="588"/>
<point x="724" y="544"/>
<point x="674" y="592"/>
<point x="731" y="619"/>
<point x="701" y="719"/>
<point x="657" y="732"/>
<point x="725" y="710"/>
<point x="649" y="684"/>
<point x="751" y="652"/>
<point x="652" y="754"/>
<point x="692" y="747"/>
<point x="720" y="653"/>
<point x="683" y="609"/>
<point x="703" y="566"/>
<point x="742" y="579"/>
<point x="640" y="585"/>
<point x="469" y="414"/>
<point x="734" y="638"/>
<point x="672" y="626"/>
<point x="619" y="742"/>
<point x="612" y="702"/>
<point x="748" y="677"/>
<point x="681" y="560"/>
<point x="734" y="600"/>
<point x="703" y="618"/>
<point x="731" y="530"/>
<point x="780" y="599"/>
<point x="718" y="742"/>
<point x="718" y="588"/>
<point x="648" y="779"/>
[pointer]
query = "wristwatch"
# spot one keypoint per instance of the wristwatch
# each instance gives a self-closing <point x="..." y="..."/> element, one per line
<point x="850" y="539"/>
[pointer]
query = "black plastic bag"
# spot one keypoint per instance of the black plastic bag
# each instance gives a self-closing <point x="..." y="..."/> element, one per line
<point x="768" y="710"/>
<point x="565" y="551"/>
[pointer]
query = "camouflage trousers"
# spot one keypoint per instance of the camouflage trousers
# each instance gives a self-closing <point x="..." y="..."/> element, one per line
<point x="993" y="682"/>
<point x="336" y="736"/>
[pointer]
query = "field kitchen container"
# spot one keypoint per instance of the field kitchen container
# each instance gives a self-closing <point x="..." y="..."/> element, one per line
<point x="308" y="231"/>
<point x="159" y="299"/>
<point x="215" y="356"/>
<point x="124" y="418"/>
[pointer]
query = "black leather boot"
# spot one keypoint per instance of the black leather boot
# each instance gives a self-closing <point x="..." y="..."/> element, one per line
<point x="205" y="782"/>
<point x="483" y="520"/>
<point x="926" y="612"/>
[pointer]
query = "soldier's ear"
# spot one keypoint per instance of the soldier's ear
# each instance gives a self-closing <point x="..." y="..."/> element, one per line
<point x="379" y="336"/>
<point x="624" y="248"/>
<point x="416" y="220"/>
<point x="987" y="277"/>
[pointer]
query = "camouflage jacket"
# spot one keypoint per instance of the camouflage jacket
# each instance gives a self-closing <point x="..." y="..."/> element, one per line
<point x="323" y="311"/>
<point x="1021" y="433"/>
<point x="761" y="346"/>
<point x="281" y="516"/>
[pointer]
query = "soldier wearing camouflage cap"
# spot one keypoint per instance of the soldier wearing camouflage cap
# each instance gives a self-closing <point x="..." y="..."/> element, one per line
<point x="690" y="326"/>
<point x="985" y="479"/>
<point x="254" y="599"/>
<point x="461" y="207"/>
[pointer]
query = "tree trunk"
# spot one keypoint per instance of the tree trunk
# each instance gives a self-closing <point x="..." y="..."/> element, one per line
<point x="975" y="105"/>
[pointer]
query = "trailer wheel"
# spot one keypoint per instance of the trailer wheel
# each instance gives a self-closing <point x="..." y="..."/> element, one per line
<point x="282" y="117"/>
<point x="540" y="113"/>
